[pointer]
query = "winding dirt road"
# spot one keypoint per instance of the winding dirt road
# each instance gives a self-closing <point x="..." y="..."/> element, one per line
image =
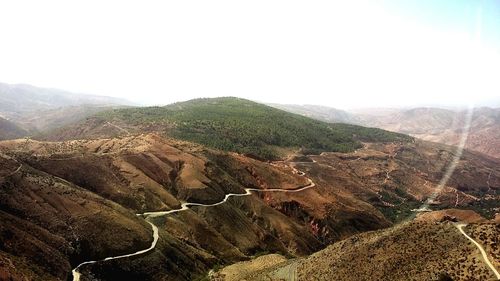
<point x="17" y="170"/>
<point x="118" y="127"/>
<point x="483" y="252"/>
<point x="76" y="274"/>
<point x="184" y="207"/>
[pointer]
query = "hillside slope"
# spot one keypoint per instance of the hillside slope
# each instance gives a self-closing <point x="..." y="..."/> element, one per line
<point x="52" y="189"/>
<point x="427" y="123"/>
<point x="35" y="110"/>
<point x="430" y="247"/>
<point x="40" y="122"/>
<point x="421" y="250"/>
<point x="323" y="113"/>
<point x="231" y="124"/>
<point x="15" y="98"/>
<point x="76" y="201"/>
<point x="10" y="130"/>
<point x="444" y="126"/>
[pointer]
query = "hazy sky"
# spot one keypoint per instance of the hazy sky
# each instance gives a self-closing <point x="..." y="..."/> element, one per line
<point x="337" y="53"/>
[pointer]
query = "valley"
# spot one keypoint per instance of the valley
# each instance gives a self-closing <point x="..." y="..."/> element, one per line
<point x="341" y="204"/>
<point x="250" y="140"/>
<point x="442" y="125"/>
<point x="185" y="206"/>
<point x="147" y="201"/>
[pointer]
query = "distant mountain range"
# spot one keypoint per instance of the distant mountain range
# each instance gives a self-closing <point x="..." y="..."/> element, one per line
<point x="22" y="98"/>
<point x="31" y="109"/>
<point x="444" y="125"/>
<point x="323" y="113"/>
<point x="432" y="124"/>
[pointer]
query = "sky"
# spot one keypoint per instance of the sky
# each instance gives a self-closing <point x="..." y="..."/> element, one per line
<point x="343" y="54"/>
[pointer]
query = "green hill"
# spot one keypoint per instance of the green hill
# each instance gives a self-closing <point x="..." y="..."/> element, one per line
<point x="248" y="127"/>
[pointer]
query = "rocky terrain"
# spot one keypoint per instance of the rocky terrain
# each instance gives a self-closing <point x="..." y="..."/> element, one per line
<point x="63" y="203"/>
<point x="54" y="205"/>
<point x="429" y="247"/>
<point x="397" y="179"/>
<point x="419" y="250"/>
<point x="57" y="200"/>
<point x="487" y="233"/>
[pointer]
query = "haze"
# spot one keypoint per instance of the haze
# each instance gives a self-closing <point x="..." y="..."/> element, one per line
<point x="342" y="54"/>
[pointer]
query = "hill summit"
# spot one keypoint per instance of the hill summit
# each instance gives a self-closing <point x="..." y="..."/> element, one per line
<point x="232" y="124"/>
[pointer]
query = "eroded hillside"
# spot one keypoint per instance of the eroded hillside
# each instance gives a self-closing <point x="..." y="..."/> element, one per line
<point x="430" y="247"/>
<point x="444" y="126"/>
<point x="76" y="201"/>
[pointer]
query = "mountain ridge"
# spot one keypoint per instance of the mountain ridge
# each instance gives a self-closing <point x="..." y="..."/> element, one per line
<point x="231" y="124"/>
<point x="25" y="97"/>
<point x="443" y="125"/>
<point x="35" y="110"/>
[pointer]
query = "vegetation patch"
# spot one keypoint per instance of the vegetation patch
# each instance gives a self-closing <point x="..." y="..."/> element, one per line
<point x="243" y="126"/>
<point x="486" y="208"/>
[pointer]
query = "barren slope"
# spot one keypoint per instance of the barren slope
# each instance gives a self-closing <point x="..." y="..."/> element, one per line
<point x="428" y="248"/>
<point x="444" y="126"/>
<point x="420" y="250"/>
<point x="80" y="197"/>
<point x="86" y="193"/>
